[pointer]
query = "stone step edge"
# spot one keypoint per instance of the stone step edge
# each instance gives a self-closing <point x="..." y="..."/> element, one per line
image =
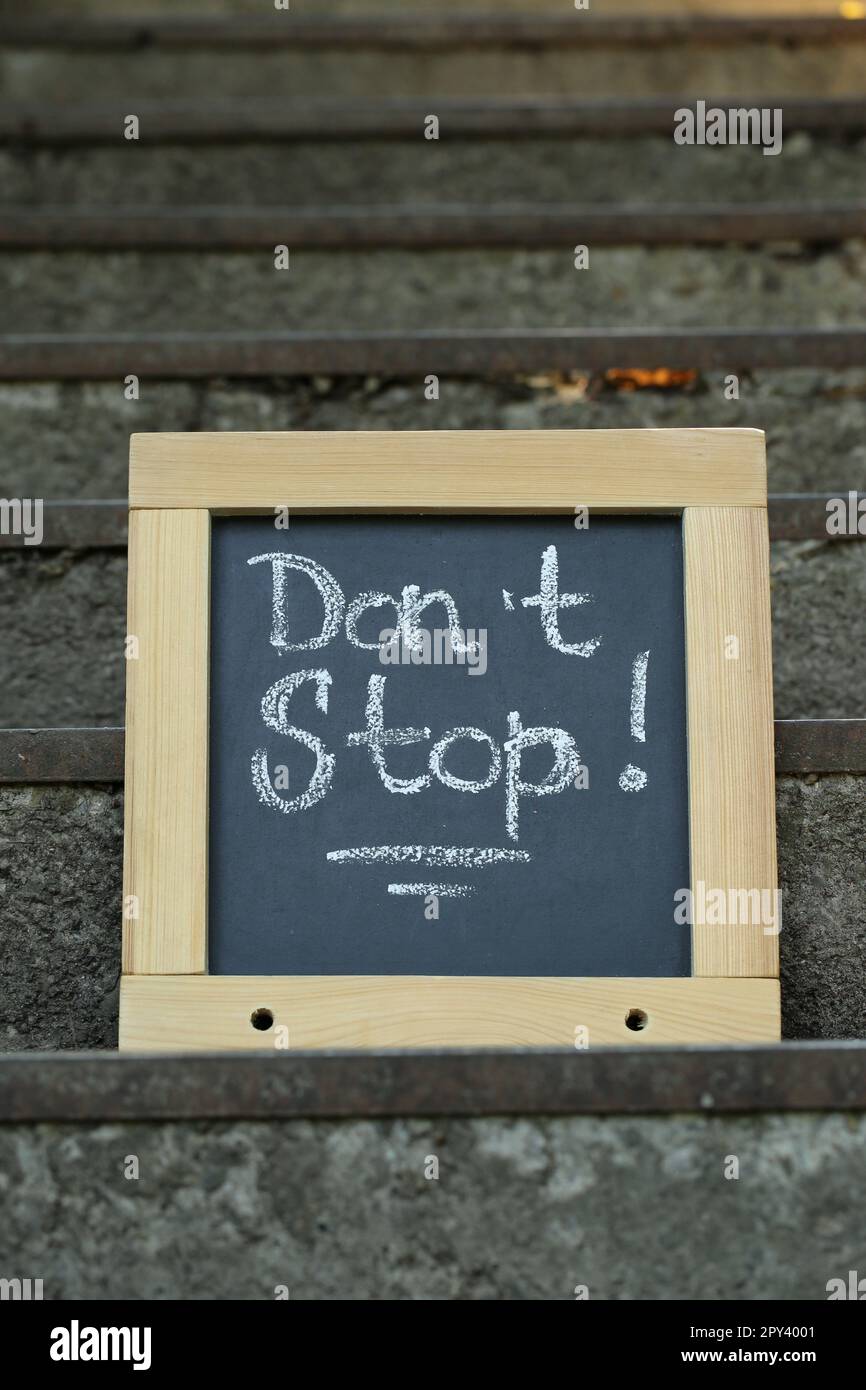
<point x="66" y="756"/>
<point x="267" y="119"/>
<point x="104" y="524"/>
<point x="100" y="1087"/>
<point x="30" y="227"/>
<point x="488" y="353"/>
<point x="482" y="27"/>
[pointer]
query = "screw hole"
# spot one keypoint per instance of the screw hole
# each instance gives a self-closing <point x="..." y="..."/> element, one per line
<point x="636" y="1019"/>
<point x="262" y="1019"/>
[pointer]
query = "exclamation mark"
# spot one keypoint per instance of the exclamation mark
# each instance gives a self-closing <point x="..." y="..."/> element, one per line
<point x="634" y="779"/>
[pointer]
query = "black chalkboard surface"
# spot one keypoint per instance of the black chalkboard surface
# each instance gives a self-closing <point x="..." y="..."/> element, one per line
<point x="344" y="838"/>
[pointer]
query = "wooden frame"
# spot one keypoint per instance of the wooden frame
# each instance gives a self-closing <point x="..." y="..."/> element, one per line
<point x="716" y="478"/>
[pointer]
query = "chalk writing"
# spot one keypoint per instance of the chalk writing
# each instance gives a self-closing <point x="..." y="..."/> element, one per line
<point x="377" y="739"/>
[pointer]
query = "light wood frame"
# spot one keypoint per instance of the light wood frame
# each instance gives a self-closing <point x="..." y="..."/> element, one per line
<point x="715" y="478"/>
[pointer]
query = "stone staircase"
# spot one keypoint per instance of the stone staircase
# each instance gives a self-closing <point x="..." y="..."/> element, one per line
<point x="155" y="259"/>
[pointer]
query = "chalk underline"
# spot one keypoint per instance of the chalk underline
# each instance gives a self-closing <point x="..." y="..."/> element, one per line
<point x="424" y="890"/>
<point x="461" y="857"/>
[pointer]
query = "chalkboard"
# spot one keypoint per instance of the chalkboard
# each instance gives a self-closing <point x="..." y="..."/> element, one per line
<point x="356" y="827"/>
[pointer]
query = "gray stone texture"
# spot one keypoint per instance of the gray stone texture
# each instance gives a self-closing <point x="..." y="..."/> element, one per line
<point x="60" y="901"/>
<point x="62" y="629"/>
<point x="818" y="593"/>
<point x="66" y="440"/>
<point x="821" y="827"/>
<point x="71" y="440"/>
<point x="642" y="169"/>
<point x="630" y="1208"/>
<point x="61" y="850"/>
<point x="763" y="70"/>
<point x="370" y="291"/>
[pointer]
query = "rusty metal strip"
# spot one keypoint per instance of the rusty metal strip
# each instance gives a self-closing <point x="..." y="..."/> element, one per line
<point x="32" y="227"/>
<point x="32" y="756"/>
<point x="820" y="745"/>
<point x="269" y="119"/>
<point x="98" y="525"/>
<point x="77" y="526"/>
<point x="420" y="31"/>
<point x="806" y="516"/>
<point x="92" y="1088"/>
<point x="500" y="352"/>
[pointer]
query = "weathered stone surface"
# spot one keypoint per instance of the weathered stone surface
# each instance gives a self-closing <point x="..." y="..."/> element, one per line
<point x="66" y="440"/>
<point x="62" y="629"/>
<point x="819" y="654"/>
<point x="60" y="894"/>
<point x="645" y="169"/>
<point x="822" y="832"/>
<point x="522" y="1209"/>
<point x="72" y="440"/>
<point x="60" y="907"/>
<point x="756" y="70"/>
<point x="688" y="287"/>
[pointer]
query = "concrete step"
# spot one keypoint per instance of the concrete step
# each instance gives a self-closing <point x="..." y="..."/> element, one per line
<point x="730" y="286"/>
<point x="408" y="51"/>
<point x="60" y="864"/>
<point x="648" y="168"/>
<point x="763" y="72"/>
<point x="411" y="355"/>
<point x="530" y="1209"/>
<point x="526" y="1206"/>
<point x="815" y="421"/>
<point x="409" y="226"/>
